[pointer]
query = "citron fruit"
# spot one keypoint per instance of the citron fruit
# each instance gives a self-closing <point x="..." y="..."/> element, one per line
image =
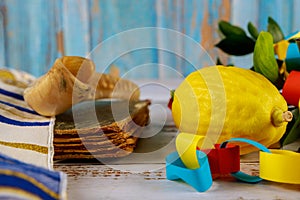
<point x="228" y="102"/>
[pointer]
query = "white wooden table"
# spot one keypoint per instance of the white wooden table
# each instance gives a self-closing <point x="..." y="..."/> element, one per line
<point x="102" y="182"/>
<point x="142" y="176"/>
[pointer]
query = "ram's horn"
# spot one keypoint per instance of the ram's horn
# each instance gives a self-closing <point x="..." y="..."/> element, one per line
<point x="73" y="79"/>
<point x="109" y="86"/>
<point x="63" y="86"/>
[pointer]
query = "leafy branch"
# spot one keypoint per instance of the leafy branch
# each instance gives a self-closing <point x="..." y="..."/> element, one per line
<point x="264" y="45"/>
<point x="236" y="42"/>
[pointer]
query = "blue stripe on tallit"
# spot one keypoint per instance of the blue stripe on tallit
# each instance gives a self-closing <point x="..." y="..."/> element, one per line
<point x="19" y="108"/>
<point x="16" y="182"/>
<point x="31" y="170"/>
<point x="20" y="123"/>
<point x="11" y="94"/>
<point x="40" y="182"/>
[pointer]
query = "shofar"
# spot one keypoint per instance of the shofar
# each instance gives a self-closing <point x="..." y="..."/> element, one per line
<point x="71" y="80"/>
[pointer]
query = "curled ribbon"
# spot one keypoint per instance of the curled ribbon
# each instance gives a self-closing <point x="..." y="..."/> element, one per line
<point x="291" y="88"/>
<point x="221" y="160"/>
<point x="280" y="166"/>
<point x="186" y="145"/>
<point x="199" y="178"/>
<point x="289" y="51"/>
<point x="196" y="167"/>
<point x="292" y="57"/>
<point x="241" y="175"/>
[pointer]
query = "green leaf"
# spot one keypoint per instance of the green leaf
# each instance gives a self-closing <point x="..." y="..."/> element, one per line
<point x="237" y="45"/>
<point x="227" y="29"/>
<point x="253" y="30"/>
<point x="275" y="30"/>
<point x="293" y="129"/>
<point x="263" y="58"/>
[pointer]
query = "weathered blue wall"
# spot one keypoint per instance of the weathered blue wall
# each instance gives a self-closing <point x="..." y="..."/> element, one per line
<point x="33" y="33"/>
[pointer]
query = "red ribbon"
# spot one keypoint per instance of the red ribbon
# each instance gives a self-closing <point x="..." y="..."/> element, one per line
<point x="224" y="161"/>
<point x="291" y="88"/>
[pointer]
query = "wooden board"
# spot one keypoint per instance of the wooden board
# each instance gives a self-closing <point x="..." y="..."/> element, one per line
<point x="87" y="181"/>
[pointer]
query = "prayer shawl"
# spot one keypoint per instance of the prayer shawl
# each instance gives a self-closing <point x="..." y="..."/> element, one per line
<point x="19" y="180"/>
<point x="24" y="134"/>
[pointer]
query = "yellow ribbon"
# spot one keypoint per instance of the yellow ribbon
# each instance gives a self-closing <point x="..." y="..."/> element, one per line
<point x="280" y="48"/>
<point x="280" y="166"/>
<point x="186" y="145"/>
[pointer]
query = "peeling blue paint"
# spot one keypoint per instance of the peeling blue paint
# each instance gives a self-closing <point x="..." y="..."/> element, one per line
<point x="35" y="32"/>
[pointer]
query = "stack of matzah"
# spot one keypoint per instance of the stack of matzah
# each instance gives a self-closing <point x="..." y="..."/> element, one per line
<point x="101" y="129"/>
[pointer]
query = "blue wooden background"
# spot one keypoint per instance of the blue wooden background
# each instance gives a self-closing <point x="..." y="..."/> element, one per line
<point x="33" y="33"/>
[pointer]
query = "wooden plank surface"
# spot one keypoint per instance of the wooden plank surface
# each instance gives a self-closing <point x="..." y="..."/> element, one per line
<point x="86" y="181"/>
